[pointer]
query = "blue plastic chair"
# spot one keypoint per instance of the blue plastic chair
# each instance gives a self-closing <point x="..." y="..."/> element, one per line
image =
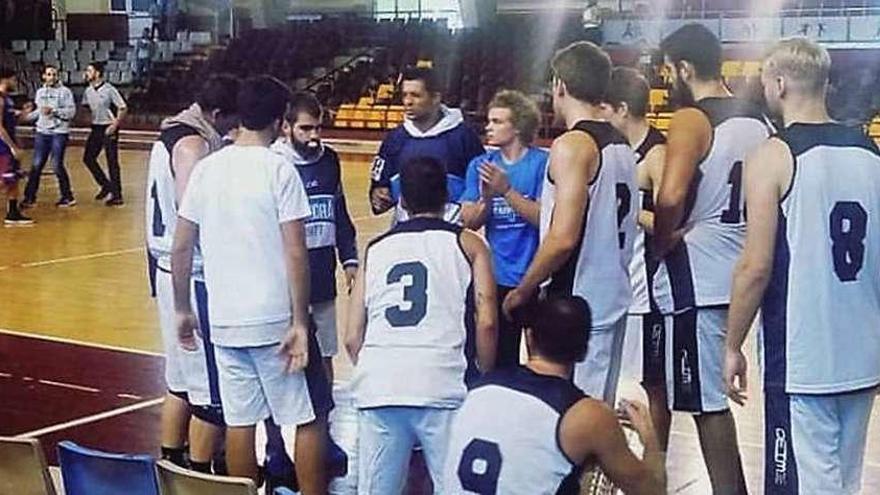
<point x="93" y="472"/>
<point x="281" y="490"/>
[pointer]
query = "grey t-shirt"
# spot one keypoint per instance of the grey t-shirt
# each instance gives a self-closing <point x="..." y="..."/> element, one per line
<point x="100" y="99"/>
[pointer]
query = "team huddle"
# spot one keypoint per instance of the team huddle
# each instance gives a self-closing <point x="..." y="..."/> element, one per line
<point x="621" y="252"/>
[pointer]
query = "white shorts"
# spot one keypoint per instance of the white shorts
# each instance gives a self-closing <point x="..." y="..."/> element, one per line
<point x="193" y="373"/>
<point x="324" y="314"/>
<point x="255" y="385"/>
<point x="386" y="438"/>
<point x="598" y="373"/>
<point x="815" y="443"/>
<point x="644" y="349"/>
<point x="695" y="360"/>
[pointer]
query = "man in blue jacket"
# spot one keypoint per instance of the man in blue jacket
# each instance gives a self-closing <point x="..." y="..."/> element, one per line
<point x="430" y="129"/>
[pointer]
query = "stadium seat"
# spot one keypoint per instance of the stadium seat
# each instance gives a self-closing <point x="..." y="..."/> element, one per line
<point x="92" y="472"/>
<point x="19" y="46"/>
<point x="34" y="55"/>
<point x="23" y="469"/>
<point x="54" y="45"/>
<point x="88" y="45"/>
<point x="37" y="45"/>
<point x="657" y="99"/>
<point x="175" y="480"/>
<point x="106" y="46"/>
<point x="751" y="69"/>
<point x="84" y="56"/>
<point x="102" y="55"/>
<point x="732" y="68"/>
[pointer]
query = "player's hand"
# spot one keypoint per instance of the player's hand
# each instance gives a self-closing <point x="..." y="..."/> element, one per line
<point x="735" y="376"/>
<point x="350" y="274"/>
<point x="380" y="199"/>
<point x="28" y="107"/>
<point x="112" y="128"/>
<point x="494" y="179"/>
<point x="46" y="110"/>
<point x="295" y="347"/>
<point x="16" y="152"/>
<point x="514" y="300"/>
<point x="187" y="324"/>
<point x="639" y="418"/>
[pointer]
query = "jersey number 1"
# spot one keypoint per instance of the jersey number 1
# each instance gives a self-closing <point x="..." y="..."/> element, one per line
<point x="732" y="213"/>
<point x="158" y="226"/>
<point x="415" y="293"/>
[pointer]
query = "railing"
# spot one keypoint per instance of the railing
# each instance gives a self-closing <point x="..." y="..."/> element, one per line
<point x="757" y="12"/>
<point x="330" y="76"/>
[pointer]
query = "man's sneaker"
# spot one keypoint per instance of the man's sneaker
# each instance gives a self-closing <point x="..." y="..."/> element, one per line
<point x="16" y="218"/>
<point x="26" y="203"/>
<point x="102" y="194"/>
<point x="114" y="201"/>
<point x="65" y="203"/>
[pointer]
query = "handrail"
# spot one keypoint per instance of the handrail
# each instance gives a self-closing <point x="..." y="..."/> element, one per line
<point x="350" y="62"/>
<point x="732" y="13"/>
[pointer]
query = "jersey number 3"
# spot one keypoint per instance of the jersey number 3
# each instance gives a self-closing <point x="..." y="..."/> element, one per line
<point x="415" y="294"/>
<point x="480" y="467"/>
<point x="848" y="224"/>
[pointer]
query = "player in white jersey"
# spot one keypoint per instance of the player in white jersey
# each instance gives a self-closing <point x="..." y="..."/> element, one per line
<point x="644" y="353"/>
<point x="559" y="431"/>
<point x="191" y="377"/>
<point x="412" y="332"/>
<point x="589" y="206"/>
<point x="699" y="229"/>
<point x="812" y="265"/>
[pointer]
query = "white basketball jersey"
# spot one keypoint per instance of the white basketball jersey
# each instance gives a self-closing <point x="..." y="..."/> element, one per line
<point x="598" y="269"/>
<point x="161" y="201"/>
<point x="505" y="437"/>
<point x="418" y="286"/>
<point x="642" y="268"/>
<point x="821" y="310"/>
<point x="700" y="269"/>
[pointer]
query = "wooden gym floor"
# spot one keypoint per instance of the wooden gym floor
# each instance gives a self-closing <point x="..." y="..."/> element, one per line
<point x="80" y="347"/>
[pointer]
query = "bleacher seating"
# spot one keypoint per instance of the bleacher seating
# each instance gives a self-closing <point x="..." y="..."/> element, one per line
<point x="175" y="480"/>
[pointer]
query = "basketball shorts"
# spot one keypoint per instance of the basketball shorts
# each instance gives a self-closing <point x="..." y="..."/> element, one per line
<point x="324" y="316"/>
<point x="695" y="360"/>
<point x="815" y="443"/>
<point x="193" y="373"/>
<point x="255" y="384"/>
<point x="644" y="349"/>
<point x="598" y="373"/>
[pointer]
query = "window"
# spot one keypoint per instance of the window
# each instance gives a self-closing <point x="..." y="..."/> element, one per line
<point x="420" y="9"/>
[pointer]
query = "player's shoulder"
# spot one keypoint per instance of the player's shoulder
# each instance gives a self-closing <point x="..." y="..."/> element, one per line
<point x="801" y="138"/>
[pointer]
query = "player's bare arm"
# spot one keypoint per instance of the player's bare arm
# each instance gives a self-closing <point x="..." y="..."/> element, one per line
<point x="5" y="137"/>
<point x="186" y="153"/>
<point x="590" y="429"/>
<point x="573" y="161"/>
<point x="296" y="259"/>
<point x="649" y="177"/>
<point x="690" y="138"/>
<point x="185" y="236"/>
<point x="767" y="175"/>
<point x="357" y="315"/>
<point x="475" y="213"/>
<point x="485" y="298"/>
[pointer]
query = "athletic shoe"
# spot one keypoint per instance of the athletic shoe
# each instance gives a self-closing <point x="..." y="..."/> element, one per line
<point x="16" y="218"/>
<point x="114" y="201"/>
<point x="26" y="203"/>
<point x="102" y="194"/>
<point x="65" y="203"/>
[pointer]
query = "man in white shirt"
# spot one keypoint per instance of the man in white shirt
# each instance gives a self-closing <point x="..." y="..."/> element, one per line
<point x="245" y="206"/>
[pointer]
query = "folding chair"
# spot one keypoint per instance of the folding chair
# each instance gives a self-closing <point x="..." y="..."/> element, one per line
<point x="176" y="480"/>
<point x="23" y="469"/>
<point x="93" y="472"/>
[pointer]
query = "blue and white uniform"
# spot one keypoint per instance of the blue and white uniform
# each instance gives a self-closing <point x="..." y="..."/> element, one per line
<point x="598" y="268"/>
<point x="520" y="454"/>
<point x="450" y="141"/>
<point x="410" y="375"/>
<point x="699" y="269"/>
<point x="821" y="313"/>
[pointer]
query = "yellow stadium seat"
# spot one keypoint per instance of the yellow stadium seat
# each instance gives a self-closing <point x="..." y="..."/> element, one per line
<point x="425" y="64"/>
<point x="751" y="69"/>
<point x="385" y="92"/>
<point x="732" y="68"/>
<point x="365" y="101"/>
<point x="874" y="128"/>
<point x="657" y="98"/>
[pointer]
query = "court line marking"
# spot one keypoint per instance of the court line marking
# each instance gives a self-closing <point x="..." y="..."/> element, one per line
<point x="81" y="257"/>
<point x="91" y="419"/>
<point x="71" y="386"/>
<point x="63" y="340"/>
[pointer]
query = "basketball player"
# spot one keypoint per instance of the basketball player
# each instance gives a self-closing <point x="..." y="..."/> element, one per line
<point x="108" y="111"/>
<point x="699" y="229"/>
<point x="410" y="320"/>
<point x="645" y="343"/>
<point x="562" y="430"/>
<point x="252" y="239"/>
<point x="329" y="228"/>
<point x="429" y="129"/>
<point x="502" y="193"/>
<point x="586" y="250"/>
<point x="9" y="150"/>
<point x="811" y="263"/>
<point x="191" y="376"/>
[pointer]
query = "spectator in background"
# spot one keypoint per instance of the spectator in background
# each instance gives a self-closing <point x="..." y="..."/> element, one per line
<point x="145" y="48"/>
<point x="55" y="108"/>
<point x="502" y="192"/>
